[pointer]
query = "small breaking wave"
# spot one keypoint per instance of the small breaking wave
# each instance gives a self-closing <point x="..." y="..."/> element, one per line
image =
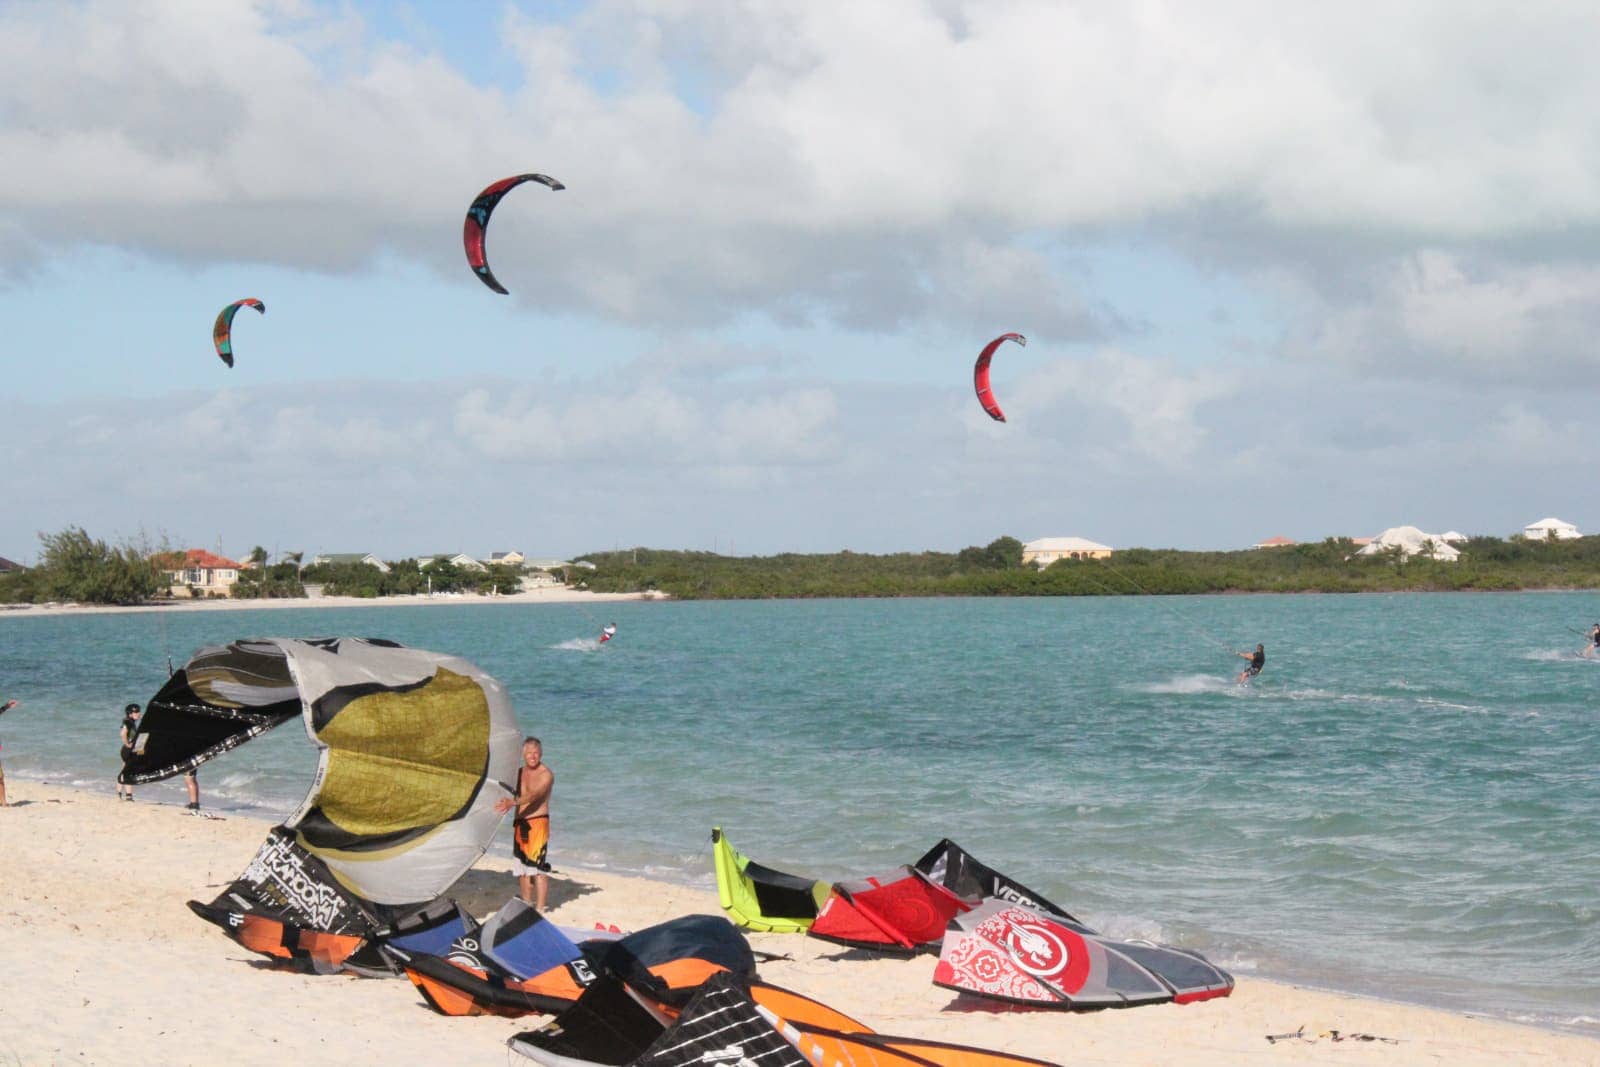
<point x="1561" y="655"/>
<point x="1189" y="684"/>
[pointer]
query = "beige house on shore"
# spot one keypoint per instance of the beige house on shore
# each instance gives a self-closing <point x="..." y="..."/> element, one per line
<point x="1046" y="550"/>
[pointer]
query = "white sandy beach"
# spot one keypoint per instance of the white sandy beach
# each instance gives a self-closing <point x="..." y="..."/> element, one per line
<point x="557" y="594"/>
<point x="103" y="963"/>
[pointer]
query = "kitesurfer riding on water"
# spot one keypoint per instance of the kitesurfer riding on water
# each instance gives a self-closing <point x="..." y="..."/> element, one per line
<point x="607" y="632"/>
<point x="1594" y="642"/>
<point x="1258" y="659"/>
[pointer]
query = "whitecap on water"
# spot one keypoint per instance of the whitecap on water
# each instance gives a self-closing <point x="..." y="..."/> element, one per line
<point x="1561" y="655"/>
<point x="1185" y="684"/>
<point x="1435" y="702"/>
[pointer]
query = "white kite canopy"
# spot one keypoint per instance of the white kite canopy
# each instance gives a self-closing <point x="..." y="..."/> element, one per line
<point x="415" y="749"/>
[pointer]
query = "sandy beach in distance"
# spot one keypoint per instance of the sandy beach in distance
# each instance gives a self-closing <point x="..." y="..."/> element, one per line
<point x="105" y="964"/>
<point x="556" y="594"/>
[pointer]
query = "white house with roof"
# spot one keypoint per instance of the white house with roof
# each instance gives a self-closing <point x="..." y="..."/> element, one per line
<point x="1046" y="550"/>
<point x="459" y="559"/>
<point x="1550" y="529"/>
<point x="350" y="557"/>
<point x="1411" y="542"/>
<point x="506" y="559"/>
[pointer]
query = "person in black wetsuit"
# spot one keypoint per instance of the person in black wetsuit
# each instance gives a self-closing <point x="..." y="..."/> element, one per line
<point x="130" y="727"/>
<point x="1594" y="638"/>
<point x="1258" y="659"/>
<point x="7" y="706"/>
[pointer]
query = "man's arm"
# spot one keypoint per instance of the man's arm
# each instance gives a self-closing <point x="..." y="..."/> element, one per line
<point x="530" y="793"/>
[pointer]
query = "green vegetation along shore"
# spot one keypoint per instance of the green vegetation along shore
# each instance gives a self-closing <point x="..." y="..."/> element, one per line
<point x="76" y="567"/>
<point x="1331" y="566"/>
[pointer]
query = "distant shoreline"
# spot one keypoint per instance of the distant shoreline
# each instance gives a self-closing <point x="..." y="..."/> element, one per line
<point x="556" y="595"/>
<point x="562" y="595"/>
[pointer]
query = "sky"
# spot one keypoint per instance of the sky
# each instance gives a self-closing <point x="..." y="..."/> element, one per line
<point x="1284" y="269"/>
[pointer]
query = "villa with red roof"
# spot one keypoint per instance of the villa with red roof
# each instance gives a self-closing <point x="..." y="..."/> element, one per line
<point x="1275" y="542"/>
<point x="199" y="572"/>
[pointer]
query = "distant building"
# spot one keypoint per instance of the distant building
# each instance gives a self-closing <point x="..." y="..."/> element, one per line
<point x="457" y="559"/>
<point x="1411" y="542"/>
<point x="337" y="558"/>
<point x="1046" y="550"/>
<point x="7" y="566"/>
<point x="1275" y="542"/>
<point x="1546" y="529"/>
<point x="1453" y="537"/>
<point x="199" y="572"/>
<point x="507" y="559"/>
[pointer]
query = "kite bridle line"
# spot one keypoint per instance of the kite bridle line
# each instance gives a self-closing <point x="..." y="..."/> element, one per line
<point x="1185" y="623"/>
<point x="166" y="641"/>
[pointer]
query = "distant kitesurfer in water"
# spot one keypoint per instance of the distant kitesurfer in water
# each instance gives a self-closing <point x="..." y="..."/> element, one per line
<point x="1258" y="659"/>
<point x="1594" y="642"/>
<point x="607" y="632"/>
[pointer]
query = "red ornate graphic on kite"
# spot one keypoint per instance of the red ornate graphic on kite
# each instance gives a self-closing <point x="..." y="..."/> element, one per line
<point x="1037" y="949"/>
<point x="977" y="967"/>
<point x="1040" y="947"/>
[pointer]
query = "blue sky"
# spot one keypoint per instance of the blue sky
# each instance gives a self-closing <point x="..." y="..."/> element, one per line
<point x="1279" y="274"/>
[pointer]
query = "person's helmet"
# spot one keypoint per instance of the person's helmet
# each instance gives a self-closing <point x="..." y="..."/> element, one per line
<point x="131" y="709"/>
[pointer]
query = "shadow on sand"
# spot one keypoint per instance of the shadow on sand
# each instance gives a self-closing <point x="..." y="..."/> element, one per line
<point x="482" y="892"/>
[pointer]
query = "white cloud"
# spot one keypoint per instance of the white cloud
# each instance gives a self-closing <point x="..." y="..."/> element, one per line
<point x="1520" y="434"/>
<point x="879" y="163"/>
<point x="1126" y="450"/>
<point x="651" y="424"/>
<point x="1438" y="314"/>
<point x="1116" y="406"/>
<point x="1411" y="190"/>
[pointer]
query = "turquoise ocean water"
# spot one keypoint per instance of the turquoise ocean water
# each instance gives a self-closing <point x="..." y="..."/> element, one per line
<point x="1405" y="804"/>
